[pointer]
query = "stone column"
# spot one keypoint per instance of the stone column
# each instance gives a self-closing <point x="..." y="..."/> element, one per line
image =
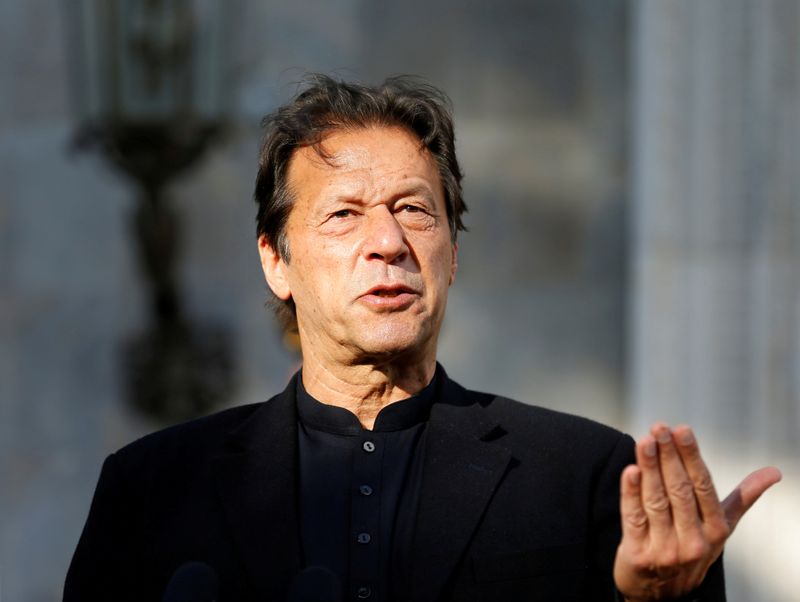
<point x="715" y="272"/>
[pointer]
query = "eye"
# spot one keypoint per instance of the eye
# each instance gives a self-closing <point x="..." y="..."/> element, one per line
<point x="411" y="209"/>
<point x="342" y="213"/>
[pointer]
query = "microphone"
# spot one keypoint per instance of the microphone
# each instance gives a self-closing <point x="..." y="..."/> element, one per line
<point x="193" y="582"/>
<point x="316" y="584"/>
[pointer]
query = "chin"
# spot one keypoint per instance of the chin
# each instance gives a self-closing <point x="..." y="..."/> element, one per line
<point x="394" y="342"/>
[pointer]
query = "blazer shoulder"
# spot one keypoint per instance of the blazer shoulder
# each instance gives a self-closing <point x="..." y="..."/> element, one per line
<point x="512" y="409"/>
<point x="191" y="436"/>
<point x="538" y="426"/>
<point x="206" y="435"/>
<point x="219" y="424"/>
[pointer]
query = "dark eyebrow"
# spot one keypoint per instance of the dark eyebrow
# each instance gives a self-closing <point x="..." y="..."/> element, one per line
<point x="416" y="190"/>
<point x="346" y="199"/>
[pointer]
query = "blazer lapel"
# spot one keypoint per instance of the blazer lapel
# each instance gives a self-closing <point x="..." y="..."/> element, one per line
<point x="460" y="474"/>
<point x="257" y="481"/>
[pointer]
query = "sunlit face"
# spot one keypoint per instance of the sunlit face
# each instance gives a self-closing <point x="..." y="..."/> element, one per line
<point x="371" y="257"/>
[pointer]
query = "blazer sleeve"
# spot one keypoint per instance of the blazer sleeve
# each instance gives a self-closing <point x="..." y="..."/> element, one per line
<point x="104" y="566"/>
<point x="606" y="530"/>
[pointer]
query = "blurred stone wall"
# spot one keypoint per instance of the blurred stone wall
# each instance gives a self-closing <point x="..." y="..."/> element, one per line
<point x="715" y="326"/>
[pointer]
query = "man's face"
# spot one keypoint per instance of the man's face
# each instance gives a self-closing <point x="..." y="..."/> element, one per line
<point x="371" y="257"/>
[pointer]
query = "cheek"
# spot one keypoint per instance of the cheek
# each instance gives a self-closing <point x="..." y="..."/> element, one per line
<point x="320" y="277"/>
<point x="442" y="269"/>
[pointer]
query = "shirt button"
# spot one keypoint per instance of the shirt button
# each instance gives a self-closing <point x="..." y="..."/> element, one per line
<point x="368" y="446"/>
<point x="364" y="592"/>
<point x="365" y="490"/>
<point x="363" y="538"/>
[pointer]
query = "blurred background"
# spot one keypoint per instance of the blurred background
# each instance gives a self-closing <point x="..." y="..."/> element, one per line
<point x="632" y="180"/>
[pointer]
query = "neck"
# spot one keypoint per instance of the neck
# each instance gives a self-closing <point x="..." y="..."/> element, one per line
<point x="365" y="389"/>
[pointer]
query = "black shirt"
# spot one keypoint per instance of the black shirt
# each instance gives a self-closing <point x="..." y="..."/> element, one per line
<point x="359" y="491"/>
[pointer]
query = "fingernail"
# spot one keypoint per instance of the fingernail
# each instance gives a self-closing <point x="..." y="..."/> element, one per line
<point x="635" y="477"/>
<point x="664" y="436"/>
<point x="650" y="448"/>
<point x="687" y="438"/>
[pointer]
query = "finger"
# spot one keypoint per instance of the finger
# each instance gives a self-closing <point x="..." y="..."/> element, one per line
<point x="654" y="498"/>
<point x="678" y="485"/>
<point x="704" y="491"/>
<point x="747" y="493"/>
<point x="634" y="518"/>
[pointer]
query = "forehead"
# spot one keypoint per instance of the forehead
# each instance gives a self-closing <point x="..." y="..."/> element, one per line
<point x="373" y="157"/>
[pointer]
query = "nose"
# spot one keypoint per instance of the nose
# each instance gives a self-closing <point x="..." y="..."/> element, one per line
<point x="384" y="238"/>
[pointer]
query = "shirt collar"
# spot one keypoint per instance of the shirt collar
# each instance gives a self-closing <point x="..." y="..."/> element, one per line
<point x="397" y="416"/>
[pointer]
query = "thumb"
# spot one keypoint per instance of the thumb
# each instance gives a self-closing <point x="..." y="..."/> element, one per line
<point x="747" y="493"/>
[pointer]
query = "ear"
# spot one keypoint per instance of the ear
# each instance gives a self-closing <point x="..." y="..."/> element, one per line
<point x="275" y="269"/>
<point x="454" y="264"/>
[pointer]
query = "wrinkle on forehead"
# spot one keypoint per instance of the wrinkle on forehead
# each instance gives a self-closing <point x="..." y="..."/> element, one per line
<point x="319" y="154"/>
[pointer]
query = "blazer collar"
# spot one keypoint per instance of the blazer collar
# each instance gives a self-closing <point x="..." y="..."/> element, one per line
<point x="257" y="482"/>
<point x="461" y="471"/>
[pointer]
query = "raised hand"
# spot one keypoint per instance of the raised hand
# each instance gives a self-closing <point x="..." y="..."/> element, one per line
<point x="673" y="525"/>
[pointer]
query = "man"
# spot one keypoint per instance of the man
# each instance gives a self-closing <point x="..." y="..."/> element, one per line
<point x="372" y="463"/>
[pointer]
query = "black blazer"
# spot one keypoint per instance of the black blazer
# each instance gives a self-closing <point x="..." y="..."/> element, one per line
<point x="517" y="503"/>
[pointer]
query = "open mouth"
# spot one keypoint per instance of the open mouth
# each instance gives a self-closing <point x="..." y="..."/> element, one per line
<point x="390" y="296"/>
<point x="390" y="291"/>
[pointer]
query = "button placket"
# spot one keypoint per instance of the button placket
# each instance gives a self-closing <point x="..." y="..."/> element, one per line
<point x="365" y="517"/>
